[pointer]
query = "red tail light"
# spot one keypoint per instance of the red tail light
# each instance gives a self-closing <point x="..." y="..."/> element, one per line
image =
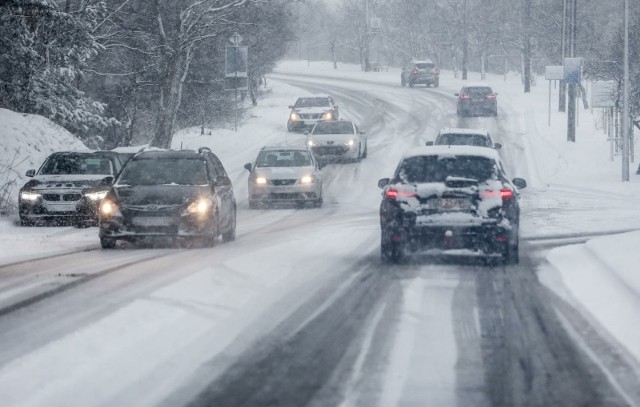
<point x="464" y="96"/>
<point x="504" y="193"/>
<point x="491" y="96"/>
<point x="394" y="194"/>
<point x="414" y="71"/>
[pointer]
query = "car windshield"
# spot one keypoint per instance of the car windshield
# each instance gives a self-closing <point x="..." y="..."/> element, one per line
<point x="283" y="158"/>
<point x="74" y="163"/>
<point x="435" y="168"/>
<point x="477" y="92"/>
<point x="463" y="140"/>
<point x="425" y="65"/>
<point x="312" y="102"/>
<point x="164" y="171"/>
<point x="336" y="127"/>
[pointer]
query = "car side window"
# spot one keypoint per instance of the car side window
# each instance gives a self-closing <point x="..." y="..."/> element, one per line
<point x="219" y="167"/>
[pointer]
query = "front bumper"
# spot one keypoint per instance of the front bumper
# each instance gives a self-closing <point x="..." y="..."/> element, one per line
<point x="71" y="206"/>
<point x="284" y="194"/>
<point x="335" y="153"/>
<point x="134" y="225"/>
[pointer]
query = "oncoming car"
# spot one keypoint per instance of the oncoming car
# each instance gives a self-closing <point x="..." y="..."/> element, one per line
<point x="308" y="111"/>
<point x="450" y="201"/>
<point x="180" y="195"/>
<point x="464" y="137"/>
<point x="283" y="175"/>
<point x="337" y="141"/>
<point x="59" y="190"/>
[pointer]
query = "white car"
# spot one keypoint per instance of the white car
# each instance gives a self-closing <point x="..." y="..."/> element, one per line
<point x="337" y="141"/>
<point x="284" y="175"/>
<point x="453" y="136"/>
<point x="308" y="111"/>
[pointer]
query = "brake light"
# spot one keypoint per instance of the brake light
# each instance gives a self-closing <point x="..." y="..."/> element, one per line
<point x="506" y="193"/>
<point x="491" y="96"/>
<point x="395" y="194"/>
<point x="464" y="97"/>
<point x="414" y="71"/>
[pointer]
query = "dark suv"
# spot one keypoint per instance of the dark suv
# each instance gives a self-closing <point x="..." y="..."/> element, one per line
<point x="175" y="194"/>
<point x="450" y="200"/>
<point x="420" y="72"/>
<point x="477" y="100"/>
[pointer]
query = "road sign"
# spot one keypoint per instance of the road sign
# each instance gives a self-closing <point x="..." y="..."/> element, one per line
<point x="604" y="94"/>
<point x="572" y="70"/>
<point x="554" y="72"/>
<point x="235" y="63"/>
<point x="235" y="39"/>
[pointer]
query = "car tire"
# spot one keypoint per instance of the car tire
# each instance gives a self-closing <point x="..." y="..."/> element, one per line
<point x="211" y="239"/>
<point x="230" y="235"/>
<point x="510" y="255"/>
<point x="107" y="242"/>
<point x="289" y="126"/>
<point x="390" y="252"/>
<point x="403" y="83"/>
<point x="364" y="154"/>
<point x="494" y="113"/>
<point x="411" y="84"/>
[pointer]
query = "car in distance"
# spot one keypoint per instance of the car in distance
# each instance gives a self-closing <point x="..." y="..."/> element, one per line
<point x="337" y="141"/>
<point x="450" y="200"/>
<point x="452" y="136"/>
<point x="284" y="175"/>
<point x="58" y="191"/>
<point x="307" y="111"/>
<point x="420" y="72"/>
<point x="180" y="195"/>
<point x="476" y="100"/>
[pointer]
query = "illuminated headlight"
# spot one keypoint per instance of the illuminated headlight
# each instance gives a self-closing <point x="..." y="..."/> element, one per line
<point x="295" y="116"/>
<point x="307" y="179"/>
<point x="108" y="207"/>
<point x="351" y="143"/>
<point x="29" y="196"/>
<point x="327" y="116"/>
<point x="261" y="180"/>
<point x="311" y="143"/>
<point x="201" y="206"/>
<point x="96" y="196"/>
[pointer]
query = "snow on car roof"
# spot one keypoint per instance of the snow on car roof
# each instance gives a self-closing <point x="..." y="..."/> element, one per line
<point x="452" y="151"/>
<point x="422" y="61"/>
<point x="293" y="147"/>
<point x="460" y="130"/>
<point x="476" y="85"/>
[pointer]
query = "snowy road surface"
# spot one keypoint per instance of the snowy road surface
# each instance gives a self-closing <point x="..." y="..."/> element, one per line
<point x="299" y="310"/>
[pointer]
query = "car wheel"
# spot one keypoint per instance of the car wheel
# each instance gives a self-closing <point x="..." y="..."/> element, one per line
<point x="107" y="242"/>
<point x="390" y="252"/>
<point x="510" y="255"/>
<point x="402" y="81"/>
<point x="364" y="154"/>
<point x="411" y="84"/>
<point x="289" y="126"/>
<point x="210" y="240"/>
<point x="230" y="235"/>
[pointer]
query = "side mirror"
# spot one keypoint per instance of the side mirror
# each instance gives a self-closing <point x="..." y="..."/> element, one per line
<point x="456" y="94"/>
<point x="30" y="173"/>
<point x="107" y="180"/>
<point x="520" y="183"/>
<point x="497" y="146"/>
<point x="248" y="167"/>
<point x="222" y="181"/>
<point x="363" y="132"/>
<point x="429" y="143"/>
<point x="335" y="107"/>
<point x="321" y="165"/>
<point x="383" y="182"/>
<point x="290" y="106"/>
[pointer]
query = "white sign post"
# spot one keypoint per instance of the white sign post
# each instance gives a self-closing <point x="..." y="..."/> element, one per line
<point x="235" y="69"/>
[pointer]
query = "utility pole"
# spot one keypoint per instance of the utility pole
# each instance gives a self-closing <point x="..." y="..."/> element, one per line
<point x="571" y="113"/>
<point x="625" y="104"/>
<point x="562" y="96"/>
<point x="465" y="41"/>
<point x="527" y="46"/>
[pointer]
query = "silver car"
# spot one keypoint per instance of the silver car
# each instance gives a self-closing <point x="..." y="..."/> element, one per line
<point x="337" y="141"/>
<point x="284" y="175"/>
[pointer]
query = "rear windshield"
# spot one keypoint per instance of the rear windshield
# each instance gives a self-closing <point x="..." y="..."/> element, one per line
<point x="164" y="171"/>
<point x="336" y="127"/>
<point x="477" y="92"/>
<point x="74" y="163"/>
<point x="425" y="65"/>
<point x="433" y="168"/>
<point x="312" y="102"/>
<point x="452" y="139"/>
<point x="283" y="158"/>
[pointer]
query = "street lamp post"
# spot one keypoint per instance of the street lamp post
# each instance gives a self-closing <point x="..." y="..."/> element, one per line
<point x="625" y="103"/>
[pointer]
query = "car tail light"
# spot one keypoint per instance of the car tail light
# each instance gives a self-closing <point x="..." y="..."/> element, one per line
<point x="505" y="193"/>
<point x="491" y="96"/>
<point x="414" y="71"/>
<point x="464" y="96"/>
<point x="394" y="194"/>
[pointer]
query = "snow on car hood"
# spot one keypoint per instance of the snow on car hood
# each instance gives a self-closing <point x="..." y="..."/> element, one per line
<point x="284" y="172"/>
<point x="313" y="109"/>
<point x="338" y="139"/>
<point x="71" y="181"/>
<point x="158" y="195"/>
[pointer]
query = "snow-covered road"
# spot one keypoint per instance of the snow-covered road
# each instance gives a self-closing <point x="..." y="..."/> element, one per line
<point x="299" y="310"/>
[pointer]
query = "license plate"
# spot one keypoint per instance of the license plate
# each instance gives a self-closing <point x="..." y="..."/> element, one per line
<point x="66" y="207"/>
<point x="152" y="221"/>
<point x="451" y="203"/>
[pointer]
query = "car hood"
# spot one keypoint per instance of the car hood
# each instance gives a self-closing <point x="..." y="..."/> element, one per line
<point x="65" y="181"/>
<point x="314" y="109"/>
<point x="329" y="139"/>
<point x="283" y="172"/>
<point x="141" y="195"/>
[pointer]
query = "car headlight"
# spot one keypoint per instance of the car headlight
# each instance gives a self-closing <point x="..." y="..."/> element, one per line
<point x="327" y="116"/>
<point x="295" y="116"/>
<point x="108" y="207"/>
<point x="311" y="143"/>
<point x="351" y="143"/>
<point x="261" y="180"/>
<point x="29" y="196"/>
<point x="200" y="206"/>
<point x="96" y="196"/>
<point x="307" y="179"/>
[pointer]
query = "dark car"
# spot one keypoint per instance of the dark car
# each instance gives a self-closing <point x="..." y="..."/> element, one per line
<point x="420" y="72"/>
<point x="308" y="111"/>
<point x="181" y="195"/>
<point x="450" y="200"/>
<point x="62" y="188"/>
<point x="477" y="100"/>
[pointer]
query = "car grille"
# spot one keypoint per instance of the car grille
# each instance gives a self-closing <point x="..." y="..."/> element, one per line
<point x="330" y="150"/>
<point x="310" y="116"/>
<point x="280" y="182"/>
<point x="61" y="197"/>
